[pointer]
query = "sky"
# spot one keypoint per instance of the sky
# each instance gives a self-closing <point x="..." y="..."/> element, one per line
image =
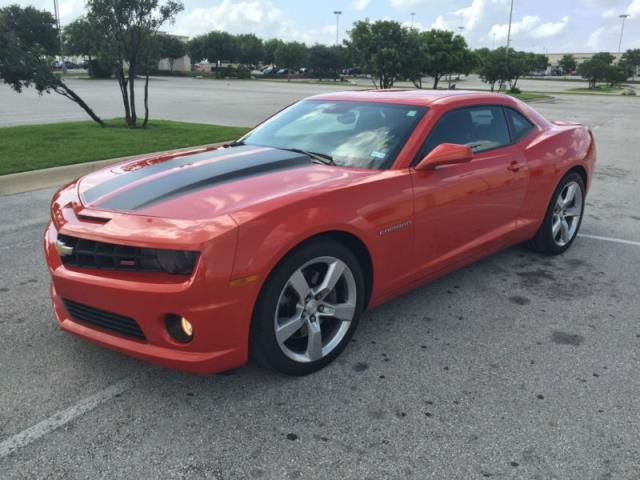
<point x="546" y="26"/>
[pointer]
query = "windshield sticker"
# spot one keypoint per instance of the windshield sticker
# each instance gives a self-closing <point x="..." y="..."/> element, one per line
<point x="379" y="155"/>
<point x="411" y="113"/>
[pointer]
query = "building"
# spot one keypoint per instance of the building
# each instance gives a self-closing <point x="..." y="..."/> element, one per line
<point x="554" y="58"/>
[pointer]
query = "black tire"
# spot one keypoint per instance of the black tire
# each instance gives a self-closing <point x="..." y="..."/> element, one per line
<point x="544" y="240"/>
<point x="263" y="345"/>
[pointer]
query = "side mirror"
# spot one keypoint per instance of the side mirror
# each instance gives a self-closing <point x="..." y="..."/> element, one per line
<point x="445" y="154"/>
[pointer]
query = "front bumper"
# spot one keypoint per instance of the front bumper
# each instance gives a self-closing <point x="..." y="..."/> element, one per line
<point x="220" y="313"/>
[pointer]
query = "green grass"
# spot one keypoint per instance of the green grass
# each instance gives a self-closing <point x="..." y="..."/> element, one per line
<point x="32" y="147"/>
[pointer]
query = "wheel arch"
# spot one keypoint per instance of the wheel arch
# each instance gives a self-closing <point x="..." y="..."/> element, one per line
<point x="580" y="170"/>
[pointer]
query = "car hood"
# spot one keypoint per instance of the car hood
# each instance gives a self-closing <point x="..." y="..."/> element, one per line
<point x="209" y="182"/>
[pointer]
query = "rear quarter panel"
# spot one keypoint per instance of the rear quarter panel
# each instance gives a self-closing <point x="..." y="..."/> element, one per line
<point x="550" y="155"/>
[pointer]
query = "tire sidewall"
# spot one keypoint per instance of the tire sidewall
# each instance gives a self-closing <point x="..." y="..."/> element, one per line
<point x="263" y="345"/>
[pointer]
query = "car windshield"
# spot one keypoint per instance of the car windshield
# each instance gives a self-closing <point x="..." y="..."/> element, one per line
<point x="350" y="134"/>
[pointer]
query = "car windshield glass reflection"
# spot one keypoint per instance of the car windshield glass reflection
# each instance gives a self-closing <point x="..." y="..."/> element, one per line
<point x="352" y="134"/>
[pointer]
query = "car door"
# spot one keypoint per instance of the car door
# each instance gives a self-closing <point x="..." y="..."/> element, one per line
<point x="468" y="209"/>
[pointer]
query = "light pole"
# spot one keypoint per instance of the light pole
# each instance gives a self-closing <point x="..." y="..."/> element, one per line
<point x="461" y="28"/>
<point x="413" y="14"/>
<point x="509" y="30"/>
<point x="624" y="16"/>
<point x="337" y="13"/>
<point x="57" y="14"/>
<point x="493" y="42"/>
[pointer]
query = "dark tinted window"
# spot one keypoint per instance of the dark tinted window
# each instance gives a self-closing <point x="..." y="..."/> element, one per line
<point x="482" y="128"/>
<point x="520" y="126"/>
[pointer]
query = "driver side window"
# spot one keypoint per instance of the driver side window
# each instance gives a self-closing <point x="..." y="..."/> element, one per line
<point x="482" y="128"/>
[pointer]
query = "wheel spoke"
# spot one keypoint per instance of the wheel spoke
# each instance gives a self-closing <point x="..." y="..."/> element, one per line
<point x="570" y="195"/>
<point x="314" y="341"/>
<point x="300" y="285"/>
<point x="291" y="326"/>
<point x="555" y="228"/>
<point x="334" y="272"/>
<point x="564" y="231"/>
<point x="341" y="311"/>
<point x="572" y="212"/>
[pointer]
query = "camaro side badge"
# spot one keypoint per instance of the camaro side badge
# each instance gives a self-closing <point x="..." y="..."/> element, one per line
<point x="63" y="249"/>
<point x="393" y="228"/>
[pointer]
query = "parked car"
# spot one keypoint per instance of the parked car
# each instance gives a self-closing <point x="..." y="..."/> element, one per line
<point x="272" y="246"/>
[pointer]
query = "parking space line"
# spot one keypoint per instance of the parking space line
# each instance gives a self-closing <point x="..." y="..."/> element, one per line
<point x="63" y="417"/>
<point x="609" y="239"/>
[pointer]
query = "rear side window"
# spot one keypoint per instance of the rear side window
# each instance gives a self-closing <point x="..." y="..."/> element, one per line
<point x="482" y="128"/>
<point x="520" y="126"/>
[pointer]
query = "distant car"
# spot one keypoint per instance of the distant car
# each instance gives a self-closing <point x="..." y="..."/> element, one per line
<point x="283" y="71"/>
<point x="272" y="246"/>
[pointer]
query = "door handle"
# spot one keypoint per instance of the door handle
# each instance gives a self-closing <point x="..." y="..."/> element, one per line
<point x="515" y="166"/>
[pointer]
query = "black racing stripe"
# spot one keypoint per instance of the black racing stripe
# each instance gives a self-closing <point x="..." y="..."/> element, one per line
<point x="126" y="178"/>
<point x="190" y="179"/>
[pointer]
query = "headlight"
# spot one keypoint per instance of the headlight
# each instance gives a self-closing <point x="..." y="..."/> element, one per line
<point x="177" y="261"/>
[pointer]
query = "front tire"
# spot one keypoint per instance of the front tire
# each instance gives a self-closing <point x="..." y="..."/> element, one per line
<point x="308" y="308"/>
<point x="563" y="217"/>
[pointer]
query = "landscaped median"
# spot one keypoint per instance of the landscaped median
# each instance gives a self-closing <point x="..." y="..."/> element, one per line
<point x="34" y="147"/>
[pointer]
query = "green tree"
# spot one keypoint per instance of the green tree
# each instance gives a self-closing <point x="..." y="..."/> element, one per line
<point x="220" y="46"/>
<point x="632" y="58"/>
<point x="269" y="50"/>
<point x="597" y="68"/>
<point x="291" y="55"/>
<point x="443" y="53"/>
<point x="171" y="47"/>
<point x="326" y="62"/>
<point x="249" y="49"/>
<point x="568" y="64"/>
<point x="195" y="48"/>
<point x="495" y="67"/>
<point x="80" y="39"/>
<point x="28" y="43"/>
<point x="379" y="49"/>
<point x="126" y="29"/>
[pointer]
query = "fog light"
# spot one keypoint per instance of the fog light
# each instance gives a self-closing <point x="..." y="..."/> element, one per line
<point x="186" y="327"/>
<point x="179" y="328"/>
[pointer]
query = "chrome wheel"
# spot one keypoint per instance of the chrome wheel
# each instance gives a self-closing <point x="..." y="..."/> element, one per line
<point x="315" y="309"/>
<point x="566" y="214"/>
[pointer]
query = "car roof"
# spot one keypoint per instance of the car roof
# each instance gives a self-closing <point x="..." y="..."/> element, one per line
<point x="414" y="97"/>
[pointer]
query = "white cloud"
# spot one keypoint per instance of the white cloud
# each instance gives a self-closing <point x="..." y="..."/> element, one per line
<point x="407" y="4"/>
<point x="259" y="16"/>
<point x="527" y="23"/>
<point x="531" y="26"/>
<point x="440" y="23"/>
<point x="360" y="4"/>
<point x="549" y="29"/>
<point x="594" y="39"/>
<point x="634" y="9"/>
<point x="472" y="14"/>
<point x="612" y="12"/>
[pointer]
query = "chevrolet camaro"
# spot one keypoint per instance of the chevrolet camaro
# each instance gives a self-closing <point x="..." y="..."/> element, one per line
<point x="272" y="246"/>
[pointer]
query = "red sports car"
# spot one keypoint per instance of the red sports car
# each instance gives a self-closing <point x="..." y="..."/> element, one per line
<point x="272" y="246"/>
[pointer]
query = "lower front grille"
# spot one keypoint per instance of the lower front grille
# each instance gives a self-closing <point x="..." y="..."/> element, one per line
<point x="102" y="319"/>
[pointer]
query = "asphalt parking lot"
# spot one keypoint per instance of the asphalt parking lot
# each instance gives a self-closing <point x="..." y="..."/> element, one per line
<point x="519" y="366"/>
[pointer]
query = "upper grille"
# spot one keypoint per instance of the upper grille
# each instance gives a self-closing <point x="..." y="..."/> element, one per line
<point x="108" y="256"/>
<point x="102" y="319"/>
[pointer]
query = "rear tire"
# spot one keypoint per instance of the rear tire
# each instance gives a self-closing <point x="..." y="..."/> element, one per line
<point x="308" y="308"/>
<point x="563" y="218"/>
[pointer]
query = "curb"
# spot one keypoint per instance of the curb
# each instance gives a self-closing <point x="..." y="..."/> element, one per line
<point x="56" y="176"/>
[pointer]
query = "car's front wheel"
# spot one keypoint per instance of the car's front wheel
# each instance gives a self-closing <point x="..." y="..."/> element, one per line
<point x="563" y="217"/>
<point x="308" y="309"/>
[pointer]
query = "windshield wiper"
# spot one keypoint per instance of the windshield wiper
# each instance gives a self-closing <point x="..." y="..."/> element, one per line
<point x="321" y="157"/>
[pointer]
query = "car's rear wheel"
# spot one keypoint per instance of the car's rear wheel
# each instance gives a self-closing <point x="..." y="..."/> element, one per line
<point x="308" y="309"/>
<point x="563" y="217"/>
